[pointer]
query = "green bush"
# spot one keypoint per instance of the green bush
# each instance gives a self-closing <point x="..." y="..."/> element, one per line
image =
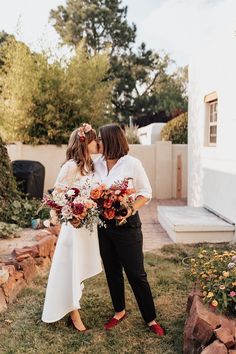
<point x="176" y="130"/>
<point x="215" y="275"/>
<point x="8" y="230"/>
<point x="15" y="210"/>
<point x="132" y="134"/>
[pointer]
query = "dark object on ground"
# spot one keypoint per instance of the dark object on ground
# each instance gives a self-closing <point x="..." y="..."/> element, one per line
<point x="30" y="177"/>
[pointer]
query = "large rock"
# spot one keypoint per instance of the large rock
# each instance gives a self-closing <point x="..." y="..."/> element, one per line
<point x="215" y="348"/>
<point x="3" y="304"/>
<point x="13" y="287"/>
<point x="4" y="275"/>
<point x="29" y="268"/>
<point x="55" y="230"/>
<point x="46" y="246"/>
<point x="199" y="327"/>
<point x="32" y="251"/>
<point x="226" y="334"/>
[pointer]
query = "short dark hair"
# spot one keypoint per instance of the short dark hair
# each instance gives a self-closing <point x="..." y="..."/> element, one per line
<point x="114" y="141"/>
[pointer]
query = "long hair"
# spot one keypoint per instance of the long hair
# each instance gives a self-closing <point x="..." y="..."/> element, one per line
<point x="114" y="141"/>
<point x="78" y="151"/>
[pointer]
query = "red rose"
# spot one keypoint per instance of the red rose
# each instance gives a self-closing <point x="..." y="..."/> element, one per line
<point x="109" y="214"/>
<point x="107" y="203"/>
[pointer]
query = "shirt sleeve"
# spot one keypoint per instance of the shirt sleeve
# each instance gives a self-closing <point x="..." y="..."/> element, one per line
<point x="141" y="182"/>
<point x="67" y="175"/>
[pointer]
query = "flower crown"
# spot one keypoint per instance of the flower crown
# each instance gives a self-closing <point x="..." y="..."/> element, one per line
<point x="83" y="129"/>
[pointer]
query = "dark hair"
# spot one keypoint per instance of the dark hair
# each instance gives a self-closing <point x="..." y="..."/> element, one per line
<point x="114" y="141"/>
<point x="77" y="150"/>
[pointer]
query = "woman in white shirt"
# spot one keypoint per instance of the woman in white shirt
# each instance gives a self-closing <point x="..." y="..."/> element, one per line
<point x="121" y="246"/>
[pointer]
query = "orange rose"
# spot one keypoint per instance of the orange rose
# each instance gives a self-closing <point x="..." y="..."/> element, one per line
<point x="82" y="215"/>
<point x="96" y="193"/>
<point x="120" y="198"/>
<point x="109" y="214"/>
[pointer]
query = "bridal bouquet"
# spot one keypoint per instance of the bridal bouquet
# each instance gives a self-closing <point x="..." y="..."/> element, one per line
<point x="113" y="202"/>
<point x="74" y="205"/>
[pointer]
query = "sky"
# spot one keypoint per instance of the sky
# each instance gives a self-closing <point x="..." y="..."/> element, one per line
<point x="173" y="26"/>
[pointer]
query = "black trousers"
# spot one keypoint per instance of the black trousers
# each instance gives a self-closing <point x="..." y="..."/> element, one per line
<point x="121" y="248"/>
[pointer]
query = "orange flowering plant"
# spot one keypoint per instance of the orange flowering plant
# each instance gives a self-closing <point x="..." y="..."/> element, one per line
<point x="215" y="274"/>
<point x="114" y="201"/>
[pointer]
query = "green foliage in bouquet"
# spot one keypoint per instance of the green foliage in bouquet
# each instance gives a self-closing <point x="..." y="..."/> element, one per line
<point x="215" y="274"/>
<point x="176" y="130"/>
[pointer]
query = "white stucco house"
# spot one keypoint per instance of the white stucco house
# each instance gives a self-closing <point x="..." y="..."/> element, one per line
<point x="211" y="211"/>
<point x="150" y="133"/>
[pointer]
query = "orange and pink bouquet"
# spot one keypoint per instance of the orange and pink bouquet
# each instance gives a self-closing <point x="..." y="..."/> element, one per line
<point x="113" y="202"/>
<point x="74" y="204"/>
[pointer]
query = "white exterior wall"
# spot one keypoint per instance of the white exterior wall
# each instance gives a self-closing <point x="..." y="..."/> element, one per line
<point x="212" y="170"/>
<point x="150" y="133"/>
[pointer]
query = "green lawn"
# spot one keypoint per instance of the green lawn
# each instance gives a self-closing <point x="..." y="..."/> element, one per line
<point x="21" y="330"/>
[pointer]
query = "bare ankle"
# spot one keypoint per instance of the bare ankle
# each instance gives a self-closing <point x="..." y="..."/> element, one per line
<point x="151" y="323"/>
<point x="119" y="315"/>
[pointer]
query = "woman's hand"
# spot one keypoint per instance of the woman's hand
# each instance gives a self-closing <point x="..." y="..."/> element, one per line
<point x="122" y="219"/>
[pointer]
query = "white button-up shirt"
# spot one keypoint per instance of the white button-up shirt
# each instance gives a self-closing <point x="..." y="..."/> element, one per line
<point x="126" y="167"/>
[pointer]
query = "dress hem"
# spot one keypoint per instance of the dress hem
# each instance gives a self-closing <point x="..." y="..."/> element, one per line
<point x="72" y="309"/>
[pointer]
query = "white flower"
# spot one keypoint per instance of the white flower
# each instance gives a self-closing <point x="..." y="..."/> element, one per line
<point x="46" y="223"/>
<point x="231" y="265"/>
<point x="70" y="193"/>
<point x="66" y="212"/>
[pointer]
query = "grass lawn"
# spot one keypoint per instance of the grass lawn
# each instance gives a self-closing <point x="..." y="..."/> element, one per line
<point x="21" y="329"/>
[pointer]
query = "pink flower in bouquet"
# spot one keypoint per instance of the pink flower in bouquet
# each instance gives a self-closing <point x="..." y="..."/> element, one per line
<point x="232" y="294"/>
<point x="66" y="212"/>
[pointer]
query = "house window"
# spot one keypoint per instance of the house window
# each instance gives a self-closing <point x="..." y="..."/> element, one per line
<point x="211" y="119"/>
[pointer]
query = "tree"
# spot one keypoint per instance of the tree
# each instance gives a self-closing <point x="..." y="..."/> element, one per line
<point x="101" y="22"/>
<point x="146" y="92"/>
<point x="8" y="189"/>
<point x="142" y="82"/>
<point x="19" y="84"/>
<point x="43" y="101"/>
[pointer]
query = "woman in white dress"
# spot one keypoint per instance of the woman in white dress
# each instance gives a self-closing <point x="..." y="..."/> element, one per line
<point x="76" y="256"/>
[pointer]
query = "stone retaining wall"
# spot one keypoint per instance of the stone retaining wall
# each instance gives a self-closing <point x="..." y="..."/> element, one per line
<point x="207" y="332"/>
<point x="19" y="268"/>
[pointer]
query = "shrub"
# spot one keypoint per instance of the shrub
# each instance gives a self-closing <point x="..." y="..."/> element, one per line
<point x="215" y="274"/>
<point x="176" y="130"/>
<point x="8" y="189"/>
<point x="132" y="134"/>
<point x="14" y="209"/>
<point x="8" y="230"/>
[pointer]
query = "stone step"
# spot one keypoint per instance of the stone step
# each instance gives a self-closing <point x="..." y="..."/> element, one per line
<point x="186" y="224"/>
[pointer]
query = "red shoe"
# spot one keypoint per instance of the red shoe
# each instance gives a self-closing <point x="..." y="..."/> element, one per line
<point x="114" y="322"/>
<point x="157" y="329"/>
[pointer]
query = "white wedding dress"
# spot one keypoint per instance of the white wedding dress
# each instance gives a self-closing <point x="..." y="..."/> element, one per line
<point x="76" y="257"/>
